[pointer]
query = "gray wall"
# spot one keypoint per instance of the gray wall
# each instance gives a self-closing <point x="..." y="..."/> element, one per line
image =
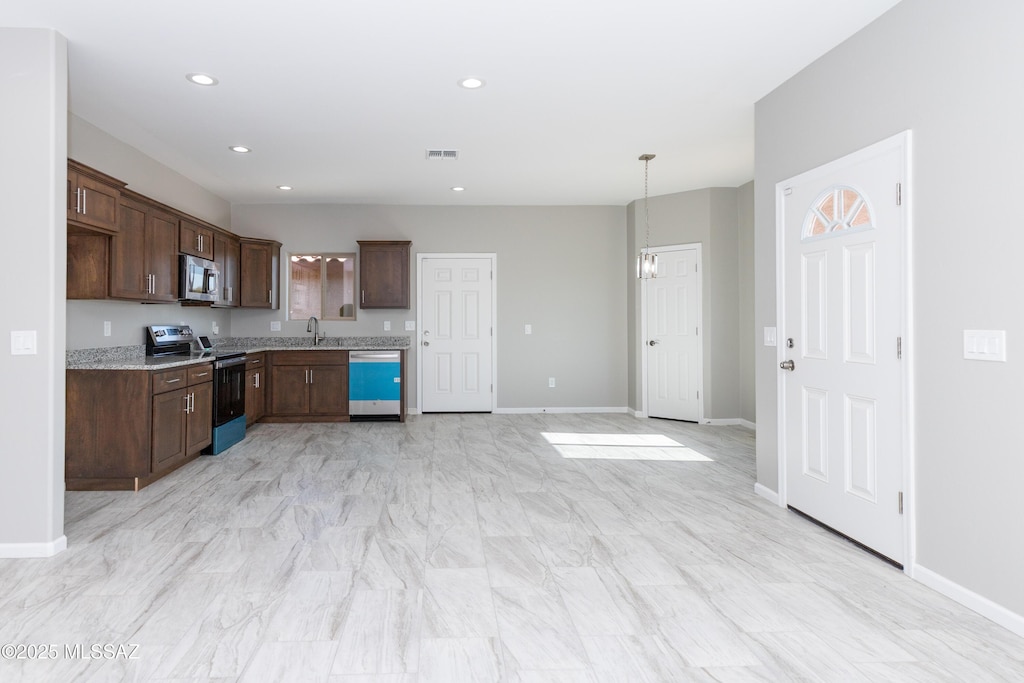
<point x="950" y="72"/>
<point x="559" y="268"/>
<point x="33" y="178"/>
<point x="745" y="332"/>
<point x="709" y="217"/>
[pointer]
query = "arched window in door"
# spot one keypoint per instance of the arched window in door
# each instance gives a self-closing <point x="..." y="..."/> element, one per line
<point x="838" y="209"/>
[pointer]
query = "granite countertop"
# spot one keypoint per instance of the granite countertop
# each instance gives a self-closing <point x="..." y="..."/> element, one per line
<point x="135" y="358"/>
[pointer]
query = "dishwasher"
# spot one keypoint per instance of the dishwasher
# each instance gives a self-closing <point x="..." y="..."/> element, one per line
<point x="374" y="385"/>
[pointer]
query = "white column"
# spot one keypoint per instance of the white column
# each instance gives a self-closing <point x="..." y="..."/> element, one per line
<point x="33" y="178"/>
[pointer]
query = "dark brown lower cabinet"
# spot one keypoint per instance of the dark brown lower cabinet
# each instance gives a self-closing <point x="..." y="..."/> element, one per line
<point x="127" y="428"/>
<point x="255" y="388"/>
<point x="308" y="386"/>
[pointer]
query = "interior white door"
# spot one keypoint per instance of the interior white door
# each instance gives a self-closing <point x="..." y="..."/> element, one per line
<point x="843" y="230"/>
<point x="455" y="335"/>
<point x="673" y="336"/>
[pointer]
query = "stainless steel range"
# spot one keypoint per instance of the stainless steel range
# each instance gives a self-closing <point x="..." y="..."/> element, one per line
<point x="228" y="378"/>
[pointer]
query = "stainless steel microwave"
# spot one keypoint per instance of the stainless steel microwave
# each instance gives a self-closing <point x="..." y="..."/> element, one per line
<point x="199" y="279"/>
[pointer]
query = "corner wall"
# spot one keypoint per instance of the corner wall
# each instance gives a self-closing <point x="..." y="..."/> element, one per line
<point x="940" y="69"/>
<point x="33" y="178"/>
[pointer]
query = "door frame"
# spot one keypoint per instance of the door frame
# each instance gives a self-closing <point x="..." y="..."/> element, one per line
<point x="419" y="320"/>
<point x="700" y="321"/>
<point x="902" y="141"/>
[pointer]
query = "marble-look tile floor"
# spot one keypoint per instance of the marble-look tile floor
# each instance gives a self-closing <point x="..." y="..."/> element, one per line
<point x="521" y="548"/>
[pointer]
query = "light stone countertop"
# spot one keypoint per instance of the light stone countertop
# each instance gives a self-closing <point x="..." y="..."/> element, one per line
<point x="134" y="357"/>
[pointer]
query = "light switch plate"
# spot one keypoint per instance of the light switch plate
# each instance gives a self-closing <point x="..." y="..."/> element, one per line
<point x="528" y="329"/>
<point x="985" y="345"/>
<point x="387" y="325"/>
<point x="23" y="343"/>
<point x="106" y="328"/>
<point x="771" y="337"/>
<point x="410" y="325"/>
<point x="275" y="325"/>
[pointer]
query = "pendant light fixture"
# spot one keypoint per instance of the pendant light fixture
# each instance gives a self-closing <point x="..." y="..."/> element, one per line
<point x="646" y="262"/>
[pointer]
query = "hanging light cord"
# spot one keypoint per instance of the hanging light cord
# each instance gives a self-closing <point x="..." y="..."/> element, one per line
<point x="647" y="210"/>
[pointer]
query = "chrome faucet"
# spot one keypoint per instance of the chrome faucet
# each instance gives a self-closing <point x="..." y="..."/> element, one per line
<point x="314" y="326"/>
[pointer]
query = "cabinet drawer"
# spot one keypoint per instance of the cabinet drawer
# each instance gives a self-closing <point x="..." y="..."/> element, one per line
<point x="310" y="358"/>
<point x="200" y="373"/>
<point x="255" y="361"/>
<point x="169" y="380"/>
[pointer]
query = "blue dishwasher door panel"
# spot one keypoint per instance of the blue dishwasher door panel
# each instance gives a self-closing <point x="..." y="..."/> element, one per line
<point x="374" y="381"/>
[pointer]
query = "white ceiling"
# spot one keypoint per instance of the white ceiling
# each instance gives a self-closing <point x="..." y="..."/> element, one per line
<point x="341" y="98"/>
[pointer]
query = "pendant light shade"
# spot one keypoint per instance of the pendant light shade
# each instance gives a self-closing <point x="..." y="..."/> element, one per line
<point x="646" y="262"/>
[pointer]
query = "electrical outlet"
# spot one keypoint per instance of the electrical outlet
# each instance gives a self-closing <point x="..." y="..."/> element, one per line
<point x="387" y="325"/>
<point x="551" y="382"/>
<point x="528" y="329"/>
<point x="410" y="325"/>
<point x="214" y="327"/>
<point x="106" y="328"/>
<point x="275" y="325"/>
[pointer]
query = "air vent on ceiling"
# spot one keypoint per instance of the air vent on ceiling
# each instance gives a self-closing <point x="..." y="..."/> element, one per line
<point x="441" y="154"/>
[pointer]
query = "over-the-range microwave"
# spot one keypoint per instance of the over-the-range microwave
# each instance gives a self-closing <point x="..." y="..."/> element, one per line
<point x="199" y="279"/>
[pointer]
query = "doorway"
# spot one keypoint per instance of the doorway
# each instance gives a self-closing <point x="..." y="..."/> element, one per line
<point x="842" y="231"/>
<point x="672" y="325"/>
<point x="456" y="313"/>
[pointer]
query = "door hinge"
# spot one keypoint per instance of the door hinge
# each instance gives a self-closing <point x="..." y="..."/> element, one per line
<point x="899" y="194"/>
<point x="698" y="395"/>
<point x="901" y="502"/>
<point x="697" y="331"/>
<point x="899" y="348"/>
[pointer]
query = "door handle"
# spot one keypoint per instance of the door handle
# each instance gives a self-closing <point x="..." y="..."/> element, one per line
<point x="426" y="343"/>
<point x="652" y="342"/>
<point x="787" y="365"/>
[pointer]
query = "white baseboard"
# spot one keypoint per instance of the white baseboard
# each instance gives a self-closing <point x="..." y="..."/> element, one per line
<point x="990" y="610"/>
<point x="766" y="493"/>
<point x="525" y="411"/>
<point x="23" y="550"/>
<point x="727" y="421"/>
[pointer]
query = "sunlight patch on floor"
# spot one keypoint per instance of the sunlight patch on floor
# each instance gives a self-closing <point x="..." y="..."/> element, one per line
<point x="622" y="447"/>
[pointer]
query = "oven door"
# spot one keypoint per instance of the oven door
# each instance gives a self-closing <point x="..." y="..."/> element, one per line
<point x="228" y="390"/>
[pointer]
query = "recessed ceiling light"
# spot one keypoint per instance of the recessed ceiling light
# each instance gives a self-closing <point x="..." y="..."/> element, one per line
<point x="201" y="79"/>
<point x="458" y="189"/>
<point x="284" y="187"/>
<point x="241" y="149"/>
<point x="472" y="83"/>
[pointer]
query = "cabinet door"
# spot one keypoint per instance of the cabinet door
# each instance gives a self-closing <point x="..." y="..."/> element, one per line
<point x="169" y="445"/>
<point x="225" y="254"/>
<point x="92" y="202"/>
<point x="128" y="275"/>
<point x="195" y="239"/>
<point x="328" y="390"/>
<point x="200" y="420"/>
<point x="290" y="392"/>
<point x="384" y="274"/>
<point x="162" y="255"/>
<point x="255" y="396"/>
<point x="257" y="277"/>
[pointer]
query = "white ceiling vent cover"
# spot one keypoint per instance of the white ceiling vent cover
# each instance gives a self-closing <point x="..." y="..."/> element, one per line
<point x="441" y="154"/>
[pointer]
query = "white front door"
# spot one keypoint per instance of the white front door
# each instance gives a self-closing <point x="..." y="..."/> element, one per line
<point x="456" y="333"/>
<point x="672" y="339"/>
<point x="841" y="327"/>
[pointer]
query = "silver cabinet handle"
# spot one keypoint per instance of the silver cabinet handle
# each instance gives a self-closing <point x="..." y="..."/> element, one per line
<point x="311" y="376"/>
<point x="362" y="297"/>
<point x="270" y="296"/>
<point x="787" y="365"/>
<point x="257" y="380"/>
<point x="202" y="374"/>
<point x="78" y="200"/>
<point x="172" y="381"/>
<point x="186" y="404"/>
<point x="85" y="204"/>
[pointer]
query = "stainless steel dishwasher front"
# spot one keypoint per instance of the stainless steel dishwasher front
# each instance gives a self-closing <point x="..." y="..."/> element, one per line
<point x="374" y="384"/>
